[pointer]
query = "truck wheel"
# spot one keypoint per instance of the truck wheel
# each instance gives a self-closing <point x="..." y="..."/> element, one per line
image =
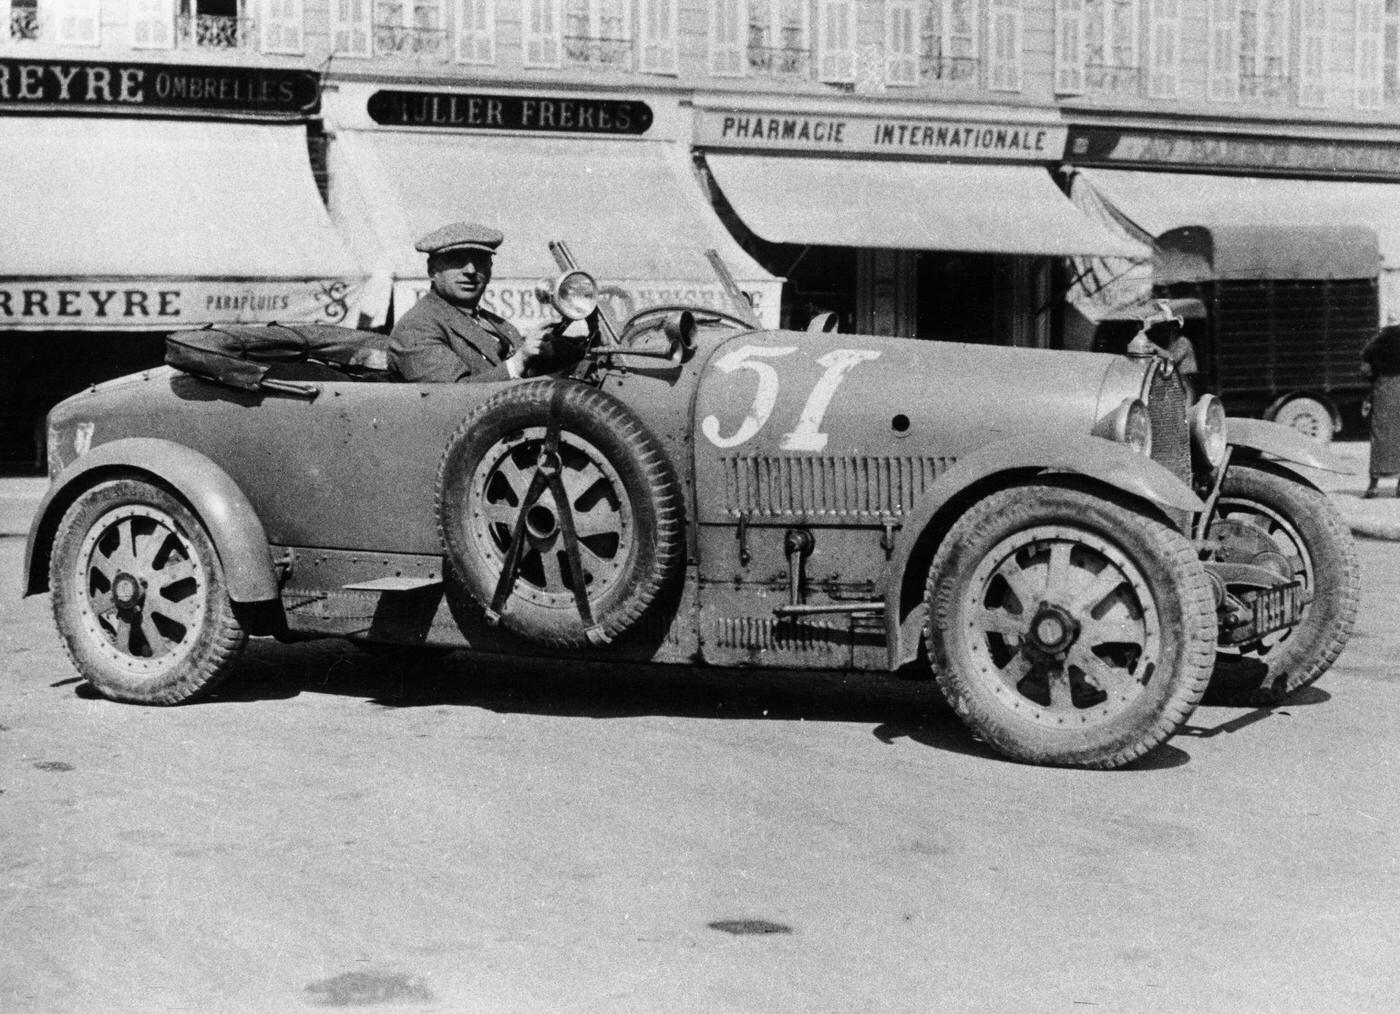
<point x="1309" y="416"/>
<point x="1266" y="518"/>
<point x="1066" y="629"/>
<point x="139" y="596"/>
<point x="622" y="495"/>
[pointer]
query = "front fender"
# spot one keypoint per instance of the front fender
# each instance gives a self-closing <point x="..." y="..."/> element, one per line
<point x="1283" y="443"/>
<point x="233" y="525"/>
<point x="1102" y="460"/>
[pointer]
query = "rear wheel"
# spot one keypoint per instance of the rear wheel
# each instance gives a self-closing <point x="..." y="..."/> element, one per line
<point x="1309" y="416"/>
<point x="1066" y="629"/>
<point x="139" y="596"/>
<point x="1275" y="522"/>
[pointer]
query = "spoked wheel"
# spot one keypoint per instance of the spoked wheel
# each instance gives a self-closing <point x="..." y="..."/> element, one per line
<point x="549" y="479"/>
<point x="139" y="596"/>
<point x="602" y="516"/>
<point x="1065" y="629"/>
<point x="1290" y="528"/>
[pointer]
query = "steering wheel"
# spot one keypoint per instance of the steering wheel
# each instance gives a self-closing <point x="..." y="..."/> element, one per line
<point x="705" y="315"/>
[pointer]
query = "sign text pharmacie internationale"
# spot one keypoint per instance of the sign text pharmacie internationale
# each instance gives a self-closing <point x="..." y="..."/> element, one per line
<point x="904" y="136"/>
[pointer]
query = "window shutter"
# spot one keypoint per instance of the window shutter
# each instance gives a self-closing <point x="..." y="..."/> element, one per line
<point x="282" y="26"/>
<point x="729" y="26"/>
<point x="476" y="31"/>
<point x="76" y="22"/>
<point x="902" y="42"/>
<point x="350" y="27"/>
<point x="152" y="24"/>
<point x="836" y="20"/>
<point x="1123" y="21"/>
<point x="544" y="36"/>
<point x="1370" y="53"/>
<point x="1164" y="49"/>
<point x="1004" y="46"/>
<point x="1223" y="56"/>
<point x="658" y="36"/>
<point x="1312" y="55"/>
<point x="1069" y="47"/>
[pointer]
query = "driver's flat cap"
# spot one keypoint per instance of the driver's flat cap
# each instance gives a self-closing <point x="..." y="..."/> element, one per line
<point x="460" y="236"/>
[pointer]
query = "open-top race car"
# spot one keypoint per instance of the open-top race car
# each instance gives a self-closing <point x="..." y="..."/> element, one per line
<point x="1069" y="550"/>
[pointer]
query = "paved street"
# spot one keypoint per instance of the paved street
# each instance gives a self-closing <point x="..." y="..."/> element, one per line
<point x="486" y="836"/>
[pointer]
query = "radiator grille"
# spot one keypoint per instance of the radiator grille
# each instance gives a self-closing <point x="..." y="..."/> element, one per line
<point x="838" y="487"/>
<point x="1171" y="434"/>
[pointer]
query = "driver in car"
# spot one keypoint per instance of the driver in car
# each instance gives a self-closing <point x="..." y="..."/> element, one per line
<point x="447" y="337"/>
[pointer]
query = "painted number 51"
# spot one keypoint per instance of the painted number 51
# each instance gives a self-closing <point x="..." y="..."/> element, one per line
<point x="807" y="435"/>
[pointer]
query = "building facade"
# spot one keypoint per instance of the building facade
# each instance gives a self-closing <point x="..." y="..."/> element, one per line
<point x="1010" y="171"/>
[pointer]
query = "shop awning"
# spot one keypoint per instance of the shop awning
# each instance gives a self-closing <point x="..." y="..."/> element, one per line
<point x="159" y="224"/>
<point x="909" y="206"/>
<point x="631" y="212"/>
<point x="1158" y="202"/>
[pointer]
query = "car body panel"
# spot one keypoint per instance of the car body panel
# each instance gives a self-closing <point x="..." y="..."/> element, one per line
<point x="218" y="500"/>
<point x="1274" y="440"/>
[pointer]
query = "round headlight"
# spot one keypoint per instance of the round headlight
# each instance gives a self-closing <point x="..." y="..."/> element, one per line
<point x="1133" y="426"/>
<point x="575" y="295"/>
<point x="1208" y="428"/>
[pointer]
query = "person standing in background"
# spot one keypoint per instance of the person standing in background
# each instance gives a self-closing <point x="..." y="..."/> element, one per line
<point x="1381" y="360"/>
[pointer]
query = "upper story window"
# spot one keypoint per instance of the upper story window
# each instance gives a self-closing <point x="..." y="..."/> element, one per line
<point x="412" y="28"/>
<point x="931" y="42"/>
<point x="213" y="24"/>
<point x="1248" y="52"/>
<point x="1099" y="47"/>
<point x="476" y="31"/>
<point x="598" y="33"/>
<point x="657" y="26"/>
<point x="779" y="35"/>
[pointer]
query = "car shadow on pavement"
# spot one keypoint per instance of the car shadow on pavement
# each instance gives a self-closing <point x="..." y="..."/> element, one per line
<point x="896" y="707"/>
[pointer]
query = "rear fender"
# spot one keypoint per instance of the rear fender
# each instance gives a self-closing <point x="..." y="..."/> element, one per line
<point x="217" y="501"/>
<point x="1281" y="443"/>
<point x="997" y="466"/>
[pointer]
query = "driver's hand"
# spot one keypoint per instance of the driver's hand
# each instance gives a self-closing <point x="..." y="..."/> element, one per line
<point x="534" y="343"/>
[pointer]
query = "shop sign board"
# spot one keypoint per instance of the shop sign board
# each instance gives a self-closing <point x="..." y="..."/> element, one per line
<point x="515" y="299"/>
<point x="85" y="86"/>
<point x="898" y="136"/>
<point x="470" y="111"/>
<point x="1108" y="146"/>
<point x="152" y="305"/>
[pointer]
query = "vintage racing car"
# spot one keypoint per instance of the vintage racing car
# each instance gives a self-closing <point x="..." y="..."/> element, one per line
<point x="1069" y="550"/>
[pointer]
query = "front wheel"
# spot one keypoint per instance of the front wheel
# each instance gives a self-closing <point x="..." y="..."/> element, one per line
<point x="1271" y="521"/>
<point x="1066" y="629"/>
<point x="139" y="596"/>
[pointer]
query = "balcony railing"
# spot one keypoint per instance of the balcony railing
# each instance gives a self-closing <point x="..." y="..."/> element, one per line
<point x="780" y="61"/>
<point x="24" y="24"/>
<point x="599" y="53"/>
<point x="416" y="43"/>
<point x="211" y="31"/>
<point x="953" y="69"/>
<point x="1266" y="87"/>
<point x="1108" y="77"/>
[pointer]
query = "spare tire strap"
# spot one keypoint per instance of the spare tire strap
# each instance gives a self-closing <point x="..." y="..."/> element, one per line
<point x="547" y="467"/>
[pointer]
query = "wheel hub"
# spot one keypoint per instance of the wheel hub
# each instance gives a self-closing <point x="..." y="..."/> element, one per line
<point x="1053" y="631"/>
<point x="127" y="592"/>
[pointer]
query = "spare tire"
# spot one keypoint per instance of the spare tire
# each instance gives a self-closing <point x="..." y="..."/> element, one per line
<point x="621" y="497"/>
